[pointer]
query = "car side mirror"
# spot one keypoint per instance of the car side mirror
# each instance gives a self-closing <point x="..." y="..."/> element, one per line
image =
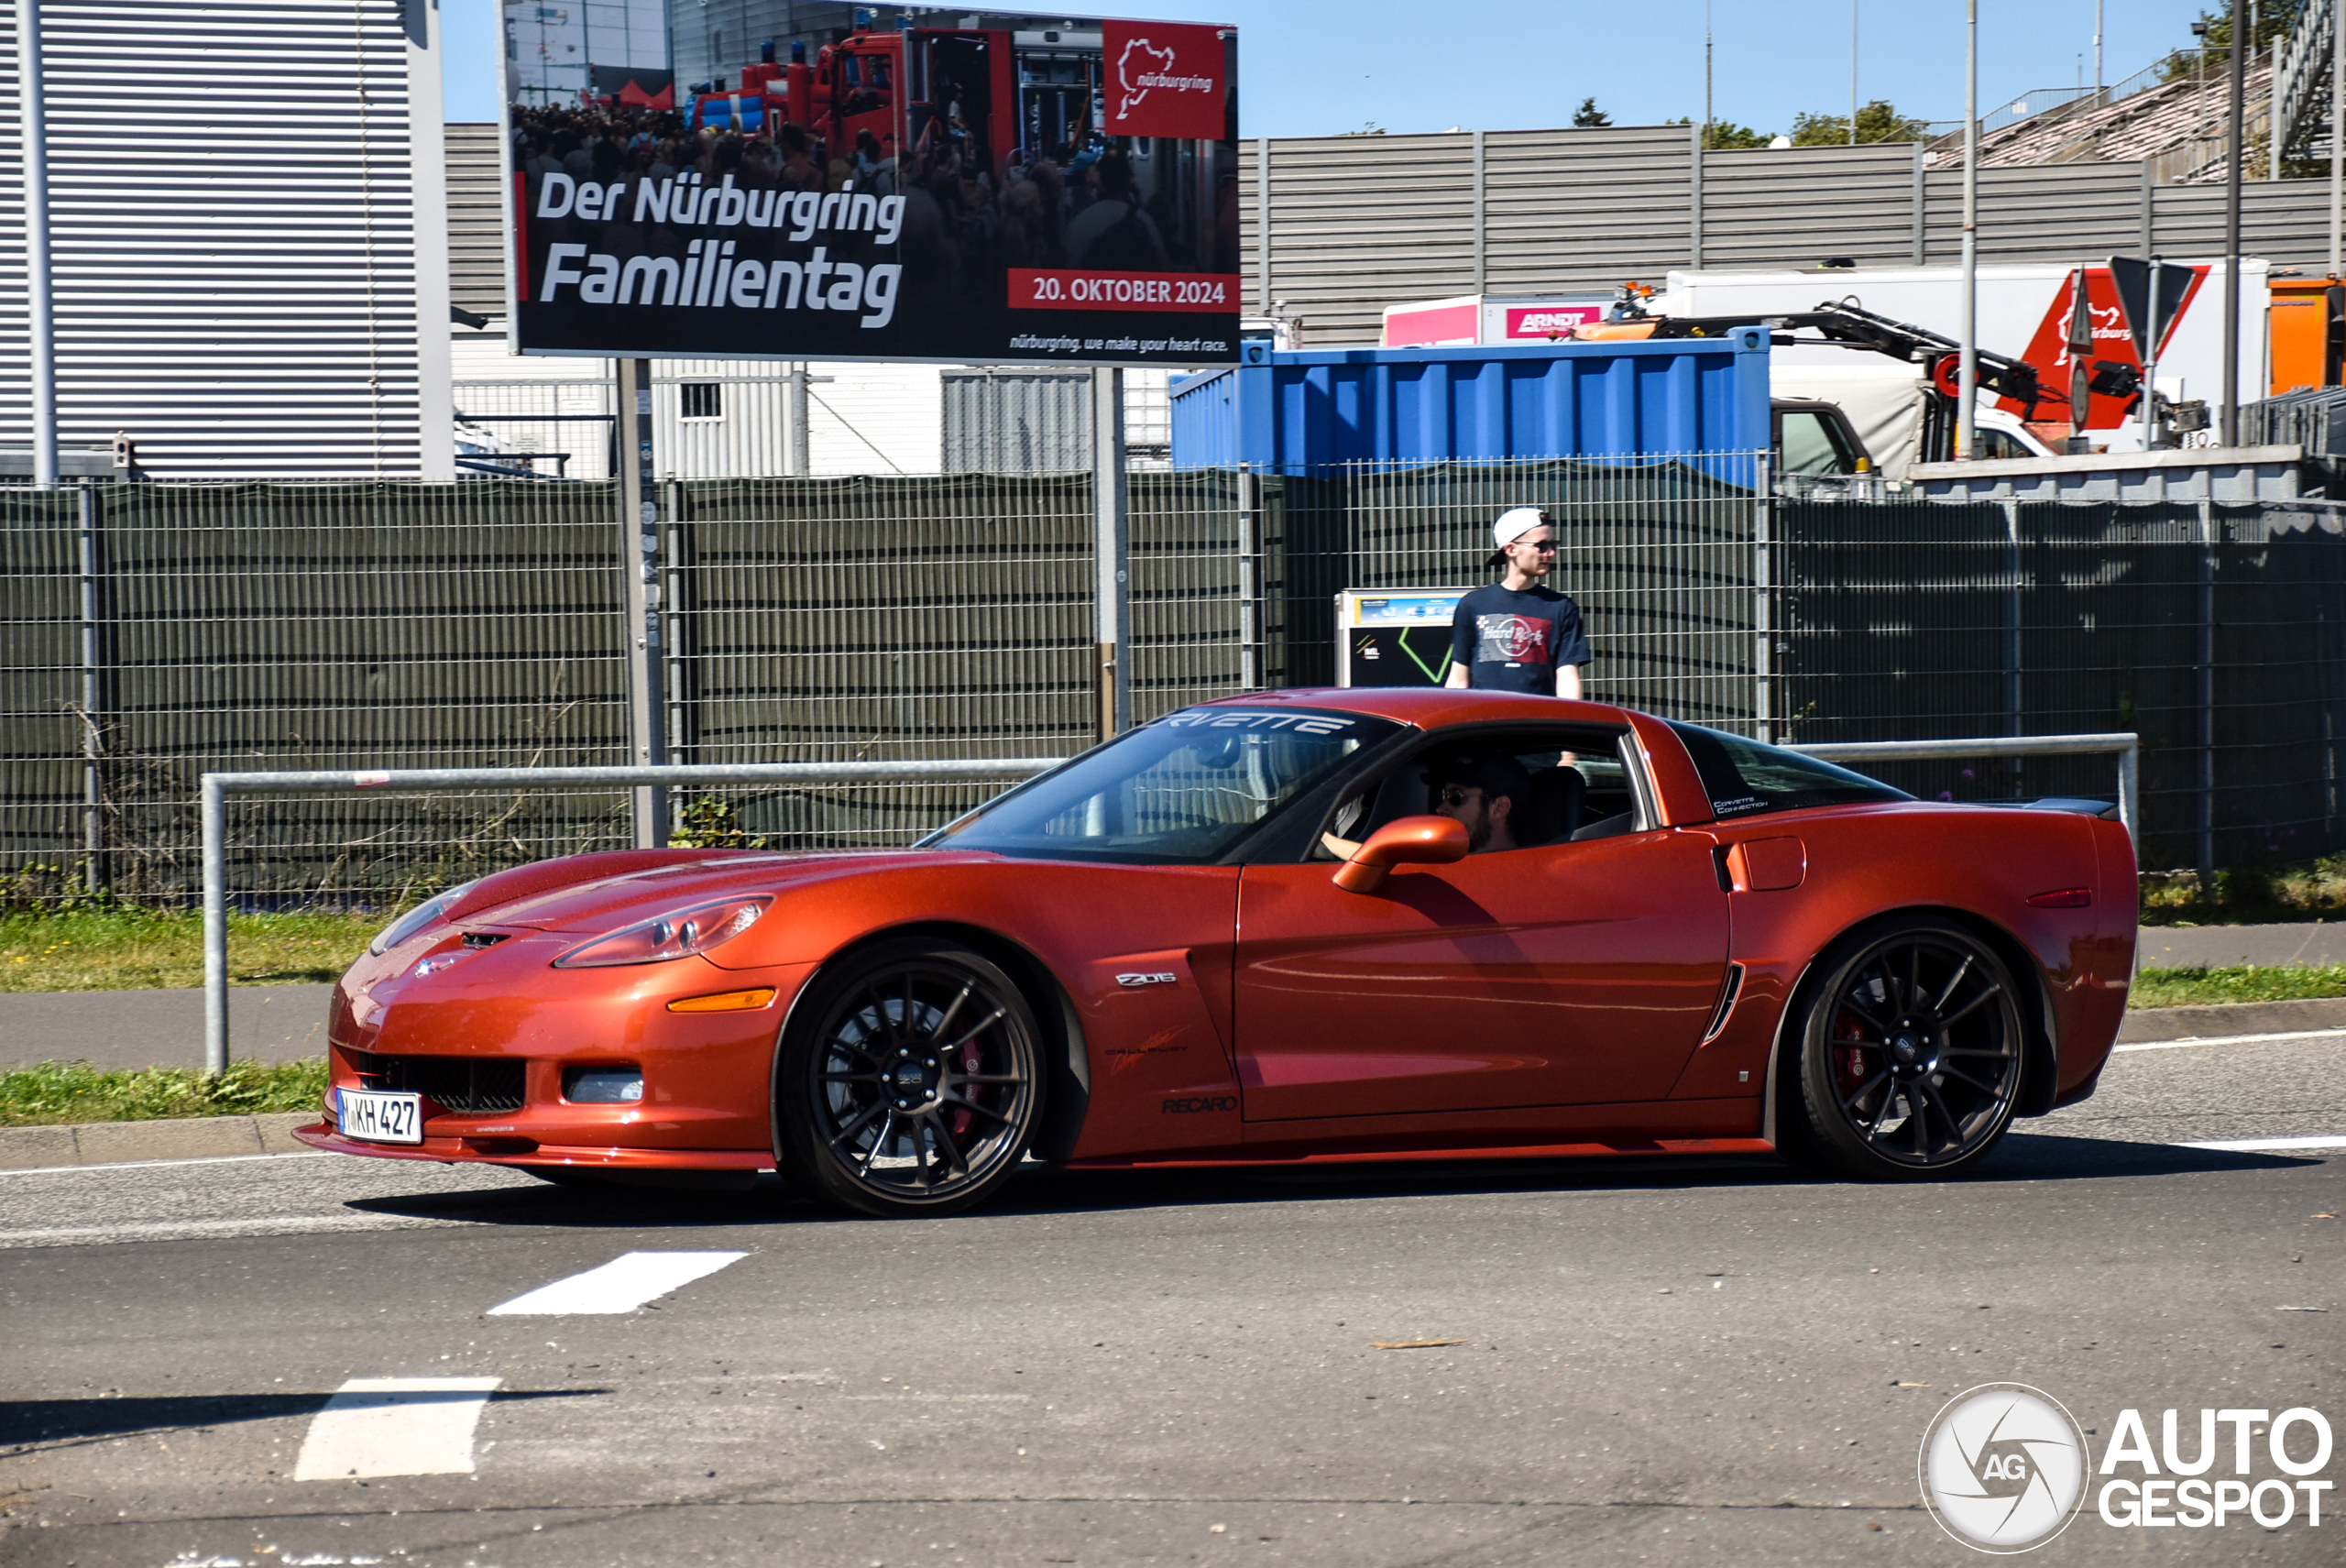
<point x="1406" y="840"/>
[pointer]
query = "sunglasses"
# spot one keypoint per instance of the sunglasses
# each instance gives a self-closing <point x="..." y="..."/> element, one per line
<point x="1458" y="795"/>
<point x="1545" y="546"/>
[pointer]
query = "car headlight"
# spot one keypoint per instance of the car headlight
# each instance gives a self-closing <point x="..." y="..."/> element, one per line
<point x="417" y="918"/>
<point x="676" y="934"/>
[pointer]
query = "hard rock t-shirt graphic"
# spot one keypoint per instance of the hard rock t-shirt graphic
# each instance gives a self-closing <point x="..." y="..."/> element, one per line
<point x="1512" y="639"/>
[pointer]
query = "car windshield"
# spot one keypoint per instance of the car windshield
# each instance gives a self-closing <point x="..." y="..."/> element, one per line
<point x="1180" y="791"/>
<point x="1743" y="777"/>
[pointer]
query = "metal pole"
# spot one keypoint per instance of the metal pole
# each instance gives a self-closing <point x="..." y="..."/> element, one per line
<point x="1853" y="73"/>
<point x="1482" y="260"/>
<point x="2337" y="132"/>
<point x="2129" y="794"/>
<point x="1249" y="579"/>
<point x="1921" y="196"/>
<point x="1968" y="383"/>
<point x="93" y="832"/>
<point x="2097" y="51"/>
<point x="2013" y="589"/>
<point x="1111" y="549"/>
<point x="797" y="436"/>
<point x="1694" y="204"/>
<point x="1706" y="74"/>
<point x="2150" y="367"/>
<point x="214" y="810"/>
<point x="676" y="631"/>
<point x="640" y="558"/>
<point x="2206" y="681"/>
<point x="33" y="142"/>
<point x="1763" y="619"/>
<point x="2232" y="132"/>
<point x="1262" y="218"/>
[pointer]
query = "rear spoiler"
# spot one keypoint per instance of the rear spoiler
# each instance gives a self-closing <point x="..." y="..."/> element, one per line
<point x="2074" y="805"/>
<point x="2106" y="810"/>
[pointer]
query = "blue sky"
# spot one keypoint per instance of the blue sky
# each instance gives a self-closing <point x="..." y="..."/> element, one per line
<point x="1318" y="67"/>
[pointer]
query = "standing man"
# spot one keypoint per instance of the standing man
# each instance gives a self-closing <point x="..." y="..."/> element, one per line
<point x="1514" y="634"/>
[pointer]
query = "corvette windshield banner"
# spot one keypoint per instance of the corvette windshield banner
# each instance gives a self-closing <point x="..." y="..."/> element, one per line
<point x="971" y="187"/>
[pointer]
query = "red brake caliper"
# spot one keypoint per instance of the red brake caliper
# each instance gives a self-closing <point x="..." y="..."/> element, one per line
<point x="1850" y="1061"/>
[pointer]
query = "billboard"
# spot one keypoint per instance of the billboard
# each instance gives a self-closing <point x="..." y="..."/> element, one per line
<point x="966" y="187"/>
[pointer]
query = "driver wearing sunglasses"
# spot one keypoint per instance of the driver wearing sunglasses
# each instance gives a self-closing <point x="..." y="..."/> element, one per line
<point x="1483" y="792"/>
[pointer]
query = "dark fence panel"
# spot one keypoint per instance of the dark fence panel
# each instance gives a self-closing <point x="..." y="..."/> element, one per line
<point x="2212" y="633"/>
<point x="278" y="626"/>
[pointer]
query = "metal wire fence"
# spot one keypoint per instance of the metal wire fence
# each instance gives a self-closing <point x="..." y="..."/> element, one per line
<point x="153" y="632"/>
<point x="1660" y="553"/>
<point x="150" y="633"/>
<point x="2214" y="631"/>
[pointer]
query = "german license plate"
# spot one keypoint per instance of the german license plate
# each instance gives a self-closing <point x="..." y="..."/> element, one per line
<point x="383" y="1118"/>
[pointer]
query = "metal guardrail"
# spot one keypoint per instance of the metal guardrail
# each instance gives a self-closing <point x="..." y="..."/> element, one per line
<point x="2127" y="746"/>
<point x="217" y="787"/>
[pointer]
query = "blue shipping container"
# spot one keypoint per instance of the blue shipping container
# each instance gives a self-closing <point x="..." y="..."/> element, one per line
<point x="1293" y="412"/>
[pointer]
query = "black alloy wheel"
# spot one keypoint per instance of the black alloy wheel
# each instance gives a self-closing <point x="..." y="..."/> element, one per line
<point x="910" y="1083"/>
<point x="1912" y="1054"/>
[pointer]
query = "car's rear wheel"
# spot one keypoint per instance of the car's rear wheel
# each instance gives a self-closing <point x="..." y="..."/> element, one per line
<point x="1912" y="1054"/>
<point x="911" y="1082"/>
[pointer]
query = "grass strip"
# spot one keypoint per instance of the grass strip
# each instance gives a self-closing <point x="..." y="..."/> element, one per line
<point x="125" y="948"/>
<point x="2199" y="987"/>
<point x="54" y="1092"/>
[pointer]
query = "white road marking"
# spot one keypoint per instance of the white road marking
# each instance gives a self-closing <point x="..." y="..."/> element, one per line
<point x="155" y="1164"/>
<point x="2233" y="1039"/>
<point x="395" y="1426"/>
<point x="197" y="1230"/>
<point x="2250" y="1146"/>
<point x="622" y="1285"/>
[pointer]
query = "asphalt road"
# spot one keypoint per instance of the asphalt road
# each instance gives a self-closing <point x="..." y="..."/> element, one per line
<point x="1656" y="1362"/>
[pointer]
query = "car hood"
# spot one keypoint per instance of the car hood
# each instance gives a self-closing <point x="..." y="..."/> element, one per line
<point x="598" y="901"/>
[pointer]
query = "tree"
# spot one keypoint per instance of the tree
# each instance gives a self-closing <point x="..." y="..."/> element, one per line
<point x="2274" y="19"/>
<point x="1727" y="135"/>
<point x="1877" y="121"/>
<point x="1588" y="115"/>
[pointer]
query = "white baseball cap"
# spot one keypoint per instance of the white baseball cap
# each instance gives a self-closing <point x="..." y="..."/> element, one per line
<point x="1513" y="524"/>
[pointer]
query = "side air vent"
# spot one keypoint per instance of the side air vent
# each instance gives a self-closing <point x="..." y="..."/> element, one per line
<point x="1727" y="994"/>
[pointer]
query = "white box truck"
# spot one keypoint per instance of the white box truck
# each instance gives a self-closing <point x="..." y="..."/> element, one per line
<point x="2024" y="314"/>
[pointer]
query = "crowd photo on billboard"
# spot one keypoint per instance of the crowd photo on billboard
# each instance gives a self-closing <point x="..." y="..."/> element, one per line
<point x="906" y="184"/>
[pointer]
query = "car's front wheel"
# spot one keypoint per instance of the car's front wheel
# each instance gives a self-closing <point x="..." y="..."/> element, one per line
<point x="910" y="1081"/>
<point x="1911" y="1050"/>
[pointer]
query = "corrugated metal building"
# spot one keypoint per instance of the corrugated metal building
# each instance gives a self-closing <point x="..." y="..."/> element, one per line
<point x="247" y="234"/>
<point x="1350" y="225"/>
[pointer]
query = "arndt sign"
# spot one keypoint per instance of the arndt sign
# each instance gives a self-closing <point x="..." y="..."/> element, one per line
<point x="1006" y="190"/>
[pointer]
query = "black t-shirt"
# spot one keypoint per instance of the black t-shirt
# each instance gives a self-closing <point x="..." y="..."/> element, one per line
<point x="1513" y="640"/>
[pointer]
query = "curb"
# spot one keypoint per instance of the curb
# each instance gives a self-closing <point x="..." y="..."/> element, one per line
<point x="179" y="1138"/>
<point x="2215" y="1020"/>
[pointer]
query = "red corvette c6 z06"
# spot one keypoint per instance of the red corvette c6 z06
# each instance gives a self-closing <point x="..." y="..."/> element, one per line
<point x="1295" y="925"/>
